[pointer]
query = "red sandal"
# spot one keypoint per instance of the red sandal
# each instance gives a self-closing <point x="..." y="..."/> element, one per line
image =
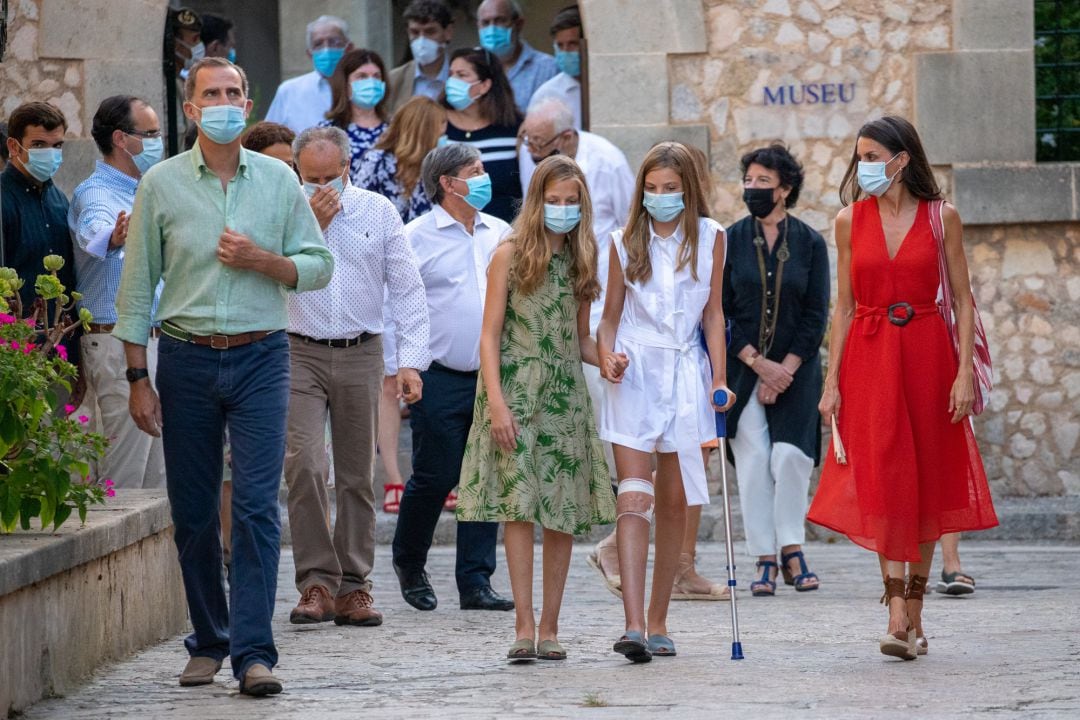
<point x="392" y="499"/>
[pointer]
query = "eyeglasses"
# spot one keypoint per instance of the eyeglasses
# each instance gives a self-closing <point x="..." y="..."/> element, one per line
<point x="534" y="144"/>
<point x="144" y="134"/>
<point x="332" y="42"/>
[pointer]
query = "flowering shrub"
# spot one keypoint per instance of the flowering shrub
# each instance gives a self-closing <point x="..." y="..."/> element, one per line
<point x="45" y="455"/>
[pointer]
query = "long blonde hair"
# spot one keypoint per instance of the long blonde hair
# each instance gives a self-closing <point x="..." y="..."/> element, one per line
<point x="531" y="251"/>
<point x="636" y="238"/>
<point x="413" y="132"/>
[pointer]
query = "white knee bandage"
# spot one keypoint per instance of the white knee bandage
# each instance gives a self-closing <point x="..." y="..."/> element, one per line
<point x="635" y="497"/>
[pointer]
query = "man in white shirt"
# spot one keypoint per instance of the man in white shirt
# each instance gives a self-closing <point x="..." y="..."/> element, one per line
<point x="337" y="368"/>
<point x="303" y="102"/>
<point x="500" y="23"/>
<point x="453" y="244"/>
<point x="566" y="35"/>
<point x="431" y="29"/>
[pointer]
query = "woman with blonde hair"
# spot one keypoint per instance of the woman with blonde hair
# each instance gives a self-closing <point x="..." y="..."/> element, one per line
<point x="392" y="167"/>
<point x="665" y="283"/>
<point x="533" y="454"/>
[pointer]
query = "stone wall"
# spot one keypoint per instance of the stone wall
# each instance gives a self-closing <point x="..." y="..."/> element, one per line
<point x="1027" y="280"/>
<point x="76" y="53"/>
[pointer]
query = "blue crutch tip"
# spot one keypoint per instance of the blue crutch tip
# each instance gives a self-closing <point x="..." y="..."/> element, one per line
<point x="719" y="397"/>
<point x="736" y="651"/>
<point x="731" y="583"/>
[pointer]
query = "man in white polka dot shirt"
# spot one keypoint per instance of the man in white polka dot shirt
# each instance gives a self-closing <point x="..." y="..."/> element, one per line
<point x="337" y="369"/>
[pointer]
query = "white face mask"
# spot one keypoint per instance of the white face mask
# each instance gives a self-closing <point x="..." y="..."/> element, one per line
<point x="198" y="52"/>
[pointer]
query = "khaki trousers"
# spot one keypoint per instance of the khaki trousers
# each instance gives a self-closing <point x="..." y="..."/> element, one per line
<point x="345" y="384"/>
<point x="133" y="459"/>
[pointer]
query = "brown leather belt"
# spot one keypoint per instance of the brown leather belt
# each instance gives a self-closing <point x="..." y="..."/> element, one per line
<point x="336" y="343"/>
<point x="101" y="328"/>
<point x="216" y="342"/>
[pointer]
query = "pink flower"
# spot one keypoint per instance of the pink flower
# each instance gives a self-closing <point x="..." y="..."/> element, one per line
<point x="109" y="483"/>
<point x="27" y="348"/>
<point x="83" y="419"/>
<point x="6" y="319"/>
<point x="14" y="345"/>
<point x="29" y="321"/>
<point x="61" y="351"/>
<point x="110" y="493"/>
<point x="69" y="408"/>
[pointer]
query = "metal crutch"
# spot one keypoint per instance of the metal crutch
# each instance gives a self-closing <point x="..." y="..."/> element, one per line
<point x="719" y="398"/>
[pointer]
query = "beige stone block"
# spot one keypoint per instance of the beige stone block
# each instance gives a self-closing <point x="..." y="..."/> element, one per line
<point x="978" y="105"/>
<point x="1026" y="257"/>
<point x="635" y="140"/>
<point x="79" y="157"/>
<point x="633" y="89"/>
<point x="125" y="28"/>
<point x="21" y="46"/>
<point x="993" y="24"/>
<point x="656" y="26"/>
<point x="105" y="78"/>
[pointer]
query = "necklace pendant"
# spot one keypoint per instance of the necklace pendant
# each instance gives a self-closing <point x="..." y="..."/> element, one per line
<point x="782" y="254"/>
<point x="759" y="241"/>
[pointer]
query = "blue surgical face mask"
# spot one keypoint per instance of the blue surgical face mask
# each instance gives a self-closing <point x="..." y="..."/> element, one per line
<point x="368" y="92"/>
<point x="337" y="184"/>
<point x="443" y="140"/>
<point x="663" y="208"/>
<point x="222" y="123"/>
<point x="232" y="55"/>
<point x="457" y="93"/>
<point x="42" y="163"/>
<point x="872" y="177"/>
<point x="425" y="50"/>
<point x="153" y="149"/>
<point x="497" y="39"/>
<point x="561" y="218"/>
<point x="568" y="62"/>
<point x="326" y="59"/>
<point x="479" y="191"/>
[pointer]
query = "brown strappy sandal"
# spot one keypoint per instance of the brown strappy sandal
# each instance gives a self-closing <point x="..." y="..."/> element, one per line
<point x="900" y="644"/>
<point x="915" y="589"/>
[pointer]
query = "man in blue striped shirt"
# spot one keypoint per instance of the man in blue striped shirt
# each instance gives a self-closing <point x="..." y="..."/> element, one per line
<point x="128" y="134"/>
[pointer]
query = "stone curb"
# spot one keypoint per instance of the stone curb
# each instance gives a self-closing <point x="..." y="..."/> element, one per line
<point x="27" y="557"/>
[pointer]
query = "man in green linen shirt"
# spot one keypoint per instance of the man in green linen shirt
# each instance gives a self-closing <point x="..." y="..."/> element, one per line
<point x="231" y="233"/>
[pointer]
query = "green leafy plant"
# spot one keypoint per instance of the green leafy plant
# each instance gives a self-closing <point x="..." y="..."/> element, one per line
<point x="45" y="455"/>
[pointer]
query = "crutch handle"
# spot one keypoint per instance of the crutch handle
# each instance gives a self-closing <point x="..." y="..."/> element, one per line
<point x="720" y="398"/>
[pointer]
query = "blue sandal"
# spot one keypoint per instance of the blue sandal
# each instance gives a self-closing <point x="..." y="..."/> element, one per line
<point x="661" y="646"/>
<point x="632" y="646"/>
<point x="805" y="581"/>
<point x="764" y="587"/>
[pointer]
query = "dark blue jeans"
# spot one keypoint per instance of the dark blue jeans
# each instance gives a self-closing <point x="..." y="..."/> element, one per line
<point x="440" y="426"/>
<point x="203" y="391"/>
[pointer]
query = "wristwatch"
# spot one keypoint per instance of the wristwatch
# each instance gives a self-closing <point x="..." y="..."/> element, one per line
<point x="136" y="374"/>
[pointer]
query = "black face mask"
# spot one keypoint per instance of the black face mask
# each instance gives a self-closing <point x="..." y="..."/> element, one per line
<point x="759" y="201"/>
<point x="537" y="160"/>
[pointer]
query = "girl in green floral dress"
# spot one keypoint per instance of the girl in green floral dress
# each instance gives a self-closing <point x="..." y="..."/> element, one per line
<point x="534" y="455"/>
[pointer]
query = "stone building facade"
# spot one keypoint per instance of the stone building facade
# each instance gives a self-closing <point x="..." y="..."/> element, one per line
<point x="728" y="76"/>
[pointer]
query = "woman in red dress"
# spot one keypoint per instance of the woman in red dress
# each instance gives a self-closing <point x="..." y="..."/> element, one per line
<point x="899" y="397"/>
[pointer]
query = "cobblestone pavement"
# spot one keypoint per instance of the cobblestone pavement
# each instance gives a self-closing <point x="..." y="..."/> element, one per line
<point x="1011" y="648"/>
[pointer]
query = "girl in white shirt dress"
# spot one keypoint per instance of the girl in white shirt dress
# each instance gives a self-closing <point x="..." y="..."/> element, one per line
<point x="664" y="291"/>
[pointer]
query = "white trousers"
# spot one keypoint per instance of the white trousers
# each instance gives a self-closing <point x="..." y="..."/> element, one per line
<point x="774" y="480"/>
<point x="133" y="459"/>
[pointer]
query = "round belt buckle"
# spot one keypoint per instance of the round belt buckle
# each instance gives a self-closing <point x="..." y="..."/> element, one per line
<point x="905" y="318"/>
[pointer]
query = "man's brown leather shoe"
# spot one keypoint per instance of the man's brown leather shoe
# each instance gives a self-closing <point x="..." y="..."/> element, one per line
<point x="315" y="606"/>
<point x="200" y="670"/>
<point x="258" y="681"/>
<point x="357" y="608"/>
